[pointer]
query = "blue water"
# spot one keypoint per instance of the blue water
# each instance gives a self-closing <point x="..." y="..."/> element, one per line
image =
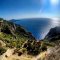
<point x="39" y="27"/>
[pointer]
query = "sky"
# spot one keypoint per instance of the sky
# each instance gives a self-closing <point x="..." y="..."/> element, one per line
<point x="18" y="9"/>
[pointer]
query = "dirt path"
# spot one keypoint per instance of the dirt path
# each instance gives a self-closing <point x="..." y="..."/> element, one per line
<point x="41" y="56"/>
<point x="9" y="52"/>
<point x="14" y="57"/>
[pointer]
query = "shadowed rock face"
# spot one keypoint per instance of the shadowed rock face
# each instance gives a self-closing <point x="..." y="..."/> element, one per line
<point x="53" y="34"/>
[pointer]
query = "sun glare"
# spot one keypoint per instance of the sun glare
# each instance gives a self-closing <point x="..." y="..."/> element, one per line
<point x="54" y="2"/>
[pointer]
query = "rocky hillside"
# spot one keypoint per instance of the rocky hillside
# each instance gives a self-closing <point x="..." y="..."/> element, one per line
<point x="54" y="34"/>
<point x="53" y="37"/>
<point x="13" y="29"/>
<point x="52" y="40"/>
<point x="18" y="44"/>
<point x="15" y="40"/>
<point x="13" y="35"/>
<point x="12" y="39"/>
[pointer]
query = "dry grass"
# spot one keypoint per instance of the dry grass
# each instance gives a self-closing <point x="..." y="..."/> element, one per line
<point x="10" y="56"/>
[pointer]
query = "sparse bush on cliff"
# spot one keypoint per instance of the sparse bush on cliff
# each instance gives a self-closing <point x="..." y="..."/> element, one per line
<point x="2" y="50"/>
<point x="5" y="29"/>
<point x="34" y="47"/>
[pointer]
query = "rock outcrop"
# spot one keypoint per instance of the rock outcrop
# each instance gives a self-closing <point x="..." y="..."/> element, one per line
<point x="54" y="34"/>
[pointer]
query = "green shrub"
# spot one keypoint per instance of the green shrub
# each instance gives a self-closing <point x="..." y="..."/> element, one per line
<point x="24" y="50"/>
<point x="43" y="46"/>
<point x="2" y="50"/>
<point x="0" y="44"/>
<point x="5" y="29"/>
<point x="32" y="47"/>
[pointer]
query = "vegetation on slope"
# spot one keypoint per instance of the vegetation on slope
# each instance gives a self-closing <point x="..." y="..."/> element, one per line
<point x="53" y="37"/>
<point x="14" y="36"/>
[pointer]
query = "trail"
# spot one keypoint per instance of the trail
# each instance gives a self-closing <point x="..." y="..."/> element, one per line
<point x="41" y="56"/>
<point x="10" y="56"/>
<point x="8" y="53"/>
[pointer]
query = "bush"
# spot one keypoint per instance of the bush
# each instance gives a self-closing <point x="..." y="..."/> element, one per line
<point x="19" y="53"/>
<point x="16" y="51"/>
<point x="5" y="29"/>
<point x="43" y="46"/>
<point x="32" y="47"/>
<point x="24" y="50"/>
<point x="2" y="50"/>
<point x="0" y="44"/>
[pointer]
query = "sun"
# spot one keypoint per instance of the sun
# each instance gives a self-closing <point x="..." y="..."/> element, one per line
<point x="54" y="2"/>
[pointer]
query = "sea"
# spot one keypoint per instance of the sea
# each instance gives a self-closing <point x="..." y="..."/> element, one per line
<point x="39" y="27"/>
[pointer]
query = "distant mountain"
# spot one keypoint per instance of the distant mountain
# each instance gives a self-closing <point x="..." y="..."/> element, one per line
<point x="14" y="20"/>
